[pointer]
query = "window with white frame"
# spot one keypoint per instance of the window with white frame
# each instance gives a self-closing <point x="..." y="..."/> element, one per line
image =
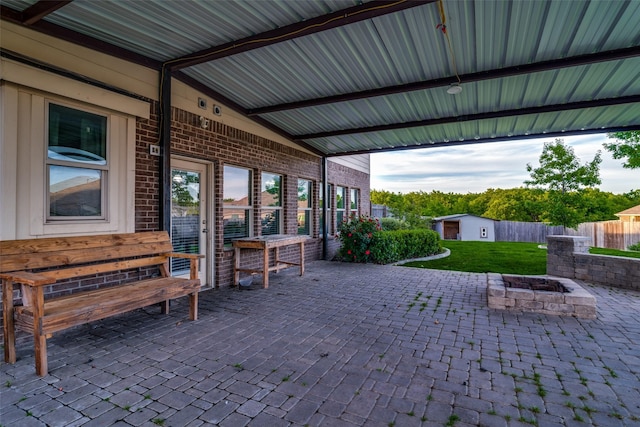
<point x="304" y="206"/>
<point x="237" y="203"/>
<point x="340" y="205"/>
<point x="70" y="167"/>
<point x="77" y="164"/>
<point x="271" y="211"/>
<point x="354" y="201"/>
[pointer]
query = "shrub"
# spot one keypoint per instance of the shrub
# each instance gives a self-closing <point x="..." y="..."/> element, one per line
<point x="355" y="234"/>
<point x="385" y="248"/>
<point x="363" y="241"/>
<point x="391" y="224"/>
<point x="417" y="243"/>
<point x="635" y="247"/>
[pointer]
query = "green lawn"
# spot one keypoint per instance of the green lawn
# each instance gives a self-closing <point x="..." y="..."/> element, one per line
<point x="500" y="257"/>
<point x="490" y="257"/>
<point x="614" y="252"/>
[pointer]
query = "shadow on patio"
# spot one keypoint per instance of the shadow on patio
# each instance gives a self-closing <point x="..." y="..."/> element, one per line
<point x="347" y="344"/>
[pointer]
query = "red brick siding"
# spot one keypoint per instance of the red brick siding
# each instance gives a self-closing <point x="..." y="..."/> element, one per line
<point x="221" y="144"/>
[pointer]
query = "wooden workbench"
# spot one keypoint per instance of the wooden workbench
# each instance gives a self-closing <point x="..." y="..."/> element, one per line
<point x="265" y="243"/>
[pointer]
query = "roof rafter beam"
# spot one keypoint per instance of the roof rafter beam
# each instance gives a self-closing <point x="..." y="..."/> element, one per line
<point x="289" y="32"/>
<point x="42" y="8"/>
<point x="516" y="70"/>
<point x="421" y="145"/>
<point x="479" y="116"/>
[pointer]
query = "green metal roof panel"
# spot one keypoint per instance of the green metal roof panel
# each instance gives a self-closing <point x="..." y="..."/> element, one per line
<point x="404" y="47"/>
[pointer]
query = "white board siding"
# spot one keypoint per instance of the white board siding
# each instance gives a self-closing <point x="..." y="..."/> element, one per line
<point x="359" y="162"/>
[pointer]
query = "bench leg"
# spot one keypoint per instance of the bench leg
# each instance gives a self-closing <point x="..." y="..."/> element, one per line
<point x="9" y="325"/>
<point x="164" y="307"/>
<point x="39" y="337"/>
<point x="193" y="306"/>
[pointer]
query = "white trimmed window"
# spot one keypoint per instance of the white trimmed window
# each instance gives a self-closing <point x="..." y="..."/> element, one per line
<point x="67" y="167"/>
<point x="340" y="205"/>
<point x="271" y="211"/>
<point x="304" y="206"/>
<point x="237" y="203"/>
<point x="77" y="165"/>
<point x="354" y="201"/>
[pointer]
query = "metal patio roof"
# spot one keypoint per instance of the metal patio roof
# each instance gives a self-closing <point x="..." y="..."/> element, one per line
<point x="345" y="77"/>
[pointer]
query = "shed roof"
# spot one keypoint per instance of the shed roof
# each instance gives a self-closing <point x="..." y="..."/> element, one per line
<point x="459" y="216"/>
<point x="350" y="76"/>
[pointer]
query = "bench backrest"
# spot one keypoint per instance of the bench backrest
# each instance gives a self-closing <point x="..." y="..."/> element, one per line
<point x="142" y="249"/>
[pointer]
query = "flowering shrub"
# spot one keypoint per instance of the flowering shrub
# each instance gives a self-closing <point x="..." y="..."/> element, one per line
<point x="363" y="240"/>
<point x="355" y="234"/>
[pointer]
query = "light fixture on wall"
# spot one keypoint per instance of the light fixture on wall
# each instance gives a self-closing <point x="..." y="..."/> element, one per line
<point x="204" y="122"/>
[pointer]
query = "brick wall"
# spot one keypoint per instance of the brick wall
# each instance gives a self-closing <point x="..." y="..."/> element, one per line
<point x="568" y="256"/>
<point x="220" y="145"/>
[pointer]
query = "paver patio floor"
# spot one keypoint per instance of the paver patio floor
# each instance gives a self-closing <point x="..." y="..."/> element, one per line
<point x="345" y="345"/>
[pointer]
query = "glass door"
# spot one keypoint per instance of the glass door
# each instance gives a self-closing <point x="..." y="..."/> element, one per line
<point x="189" y="222"/>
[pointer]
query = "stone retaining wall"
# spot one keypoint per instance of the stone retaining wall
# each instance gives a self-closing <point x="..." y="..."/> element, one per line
<point x="568" y="256"/>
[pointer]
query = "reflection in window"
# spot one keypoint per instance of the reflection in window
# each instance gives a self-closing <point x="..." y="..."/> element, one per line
<point x="304" y="206"/>
<point x="237" y="203"/>
<point x="340" y="205"/>
<point x="77" y="164"/>
<point x="74" y="192"/>
<point x="354" y="200"/>
<point x="271" y="212"/>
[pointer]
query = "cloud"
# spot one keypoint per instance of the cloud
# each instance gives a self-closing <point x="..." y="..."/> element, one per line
<point x="474" y="168"/>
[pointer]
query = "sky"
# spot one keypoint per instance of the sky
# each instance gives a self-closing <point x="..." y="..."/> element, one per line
<point x="474" y="168"/>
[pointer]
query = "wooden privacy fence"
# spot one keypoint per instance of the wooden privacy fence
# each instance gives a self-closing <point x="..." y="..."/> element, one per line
<point x="603" y="234"/>
<point x="609" y="234"/>
<point x="516" y="231"/>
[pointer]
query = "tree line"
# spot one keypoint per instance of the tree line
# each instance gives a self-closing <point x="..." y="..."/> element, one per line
<point x="561" y="191"/>
<point x="514" y="204"/>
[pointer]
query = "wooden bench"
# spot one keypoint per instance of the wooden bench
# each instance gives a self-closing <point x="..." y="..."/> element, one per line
<point x="35" y="263"/>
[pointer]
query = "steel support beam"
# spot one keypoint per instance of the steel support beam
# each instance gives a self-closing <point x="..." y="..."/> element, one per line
<point x="315" y="25"/>
<point x="165" y="150"/>
<point x="479" y="116"/>
<point x="517" y="70"/>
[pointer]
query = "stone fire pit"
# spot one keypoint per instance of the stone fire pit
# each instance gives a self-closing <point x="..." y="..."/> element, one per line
<point x="540" y="294"/>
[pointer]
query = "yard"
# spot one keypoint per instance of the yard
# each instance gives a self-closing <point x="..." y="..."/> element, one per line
<point x="500" y="257"/>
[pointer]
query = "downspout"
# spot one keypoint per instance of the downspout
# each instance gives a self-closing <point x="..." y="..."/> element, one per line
<point x="165" y="149"/>
<point x="325" y="197"/>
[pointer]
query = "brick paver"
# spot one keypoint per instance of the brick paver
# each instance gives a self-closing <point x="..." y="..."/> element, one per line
<point x="344" y="345"/>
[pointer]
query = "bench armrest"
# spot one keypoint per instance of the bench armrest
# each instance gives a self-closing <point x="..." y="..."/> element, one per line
<point x="26" y="278"/>
<point x="183" y="255"/>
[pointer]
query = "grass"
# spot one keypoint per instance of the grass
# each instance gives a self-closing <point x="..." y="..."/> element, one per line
<point x="489" y="257"/>
<point x="614" y="252"/>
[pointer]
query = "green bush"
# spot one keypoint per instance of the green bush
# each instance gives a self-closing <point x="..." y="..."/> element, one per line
<point x="391" y="224"/>
<point x="385" y="247"/>
<point x="635" y="247"/>
<point x="417" y="243"/>
<point x="363" y="241"/>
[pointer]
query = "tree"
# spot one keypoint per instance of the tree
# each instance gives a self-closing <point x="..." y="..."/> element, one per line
<point x="627" y="146"/>
<point x="561" y="173"/>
